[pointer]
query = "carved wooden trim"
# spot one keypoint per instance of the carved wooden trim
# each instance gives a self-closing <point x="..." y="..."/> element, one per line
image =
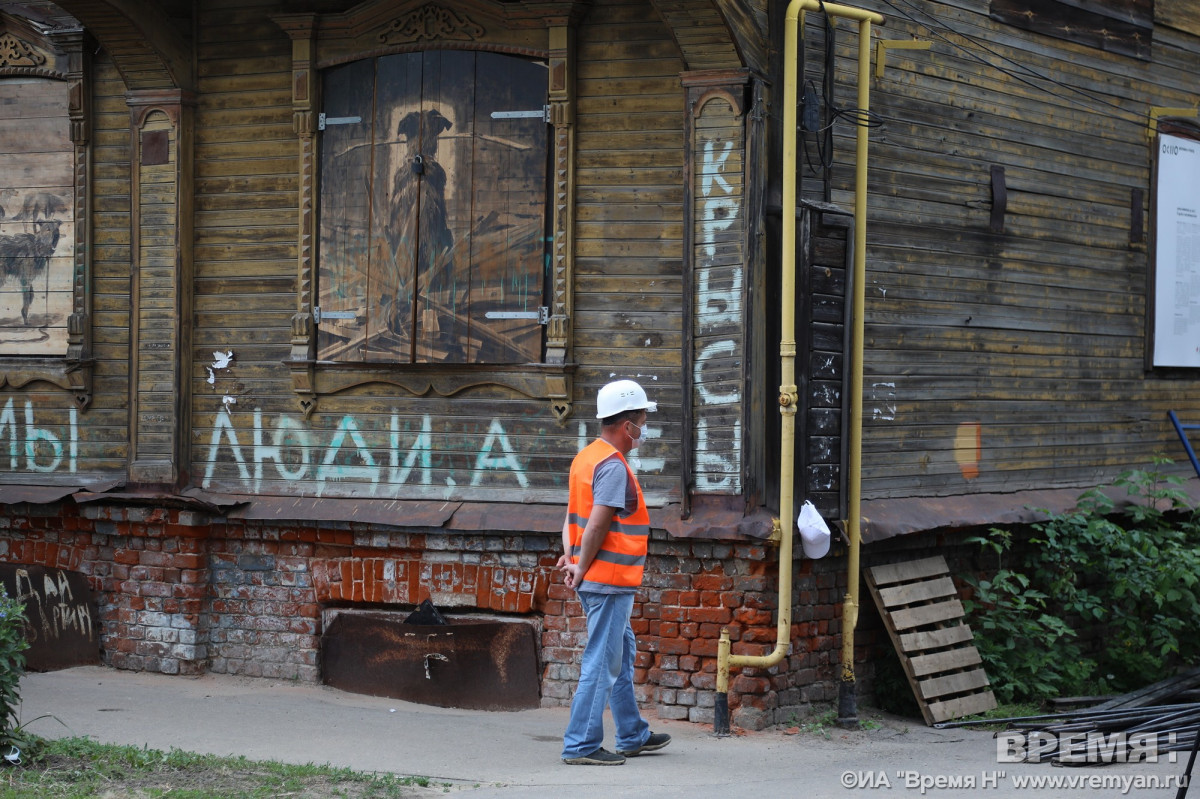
<point x="160" y="304"/>
<point x="431" y="22"/>
<point x="702" y="87"/>
<point x="79" y="326"/>
<point x="562" y="261"/>
<point x="321" y="40"/>
<point x="74" y="377"/>
<point x="552" y="382"/>
<point x="16" y="52"/>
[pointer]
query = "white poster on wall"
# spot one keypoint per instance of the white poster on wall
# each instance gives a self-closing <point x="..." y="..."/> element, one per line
<point x="1177" y="253"/>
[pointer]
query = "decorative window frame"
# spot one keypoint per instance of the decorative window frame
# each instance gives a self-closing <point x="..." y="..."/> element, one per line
<point x="60" y="54"/>
<point x="384" y="27"/>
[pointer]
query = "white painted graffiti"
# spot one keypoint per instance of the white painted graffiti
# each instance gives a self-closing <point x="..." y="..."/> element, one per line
<point x="37" y="449"/>
<point x="719" y="316"/>
<point x="54" y="605"/>
<point x="639" y="464"/>
<point x="287" y="449"/>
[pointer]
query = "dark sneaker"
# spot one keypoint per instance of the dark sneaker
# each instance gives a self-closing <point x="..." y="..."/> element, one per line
<point x="656" y="741"/>
<point x="601" y="757"/>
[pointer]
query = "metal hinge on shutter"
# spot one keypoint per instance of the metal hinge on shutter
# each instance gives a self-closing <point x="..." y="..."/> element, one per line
<point x="543" y="114"/>
<point x="323" y="120"/>
<point x="542" y="315"/>
<point x="318" y="314"/>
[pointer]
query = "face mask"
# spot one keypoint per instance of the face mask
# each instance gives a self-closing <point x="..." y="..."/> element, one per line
<point x="641" y="434"/>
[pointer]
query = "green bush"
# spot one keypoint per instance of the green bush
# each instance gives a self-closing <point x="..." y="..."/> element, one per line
<point x="1101" y="598"/>
<point x="13" y="644"/>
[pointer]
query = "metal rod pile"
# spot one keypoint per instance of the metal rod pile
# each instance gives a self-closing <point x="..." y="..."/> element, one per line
<point x="1171" y="726"/>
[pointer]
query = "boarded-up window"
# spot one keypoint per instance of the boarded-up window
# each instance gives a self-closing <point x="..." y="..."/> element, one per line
<point x="433" y="209"/>
<point x="36" y="217"/>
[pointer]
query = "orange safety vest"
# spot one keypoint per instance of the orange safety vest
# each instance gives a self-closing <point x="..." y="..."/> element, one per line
<point x="622" y="555"/>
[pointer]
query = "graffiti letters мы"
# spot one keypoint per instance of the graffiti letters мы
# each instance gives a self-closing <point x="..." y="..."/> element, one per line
<point x="36" y="449"/>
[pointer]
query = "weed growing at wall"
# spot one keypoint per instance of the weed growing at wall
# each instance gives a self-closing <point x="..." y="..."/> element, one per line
<point x="12" y="666"/>
<point x="1099" y="600"/>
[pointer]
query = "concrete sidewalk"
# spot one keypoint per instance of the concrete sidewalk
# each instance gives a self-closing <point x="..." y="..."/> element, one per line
<point x="483" y="754"/>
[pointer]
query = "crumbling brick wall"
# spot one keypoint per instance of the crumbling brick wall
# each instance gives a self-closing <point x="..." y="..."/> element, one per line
<point x="180" y="592"/>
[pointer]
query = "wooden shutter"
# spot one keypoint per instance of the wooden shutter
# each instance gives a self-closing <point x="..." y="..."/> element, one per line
<point x="395" y="219"/>
<point x="433" y="209"/>
<point x="346" y="244"/>
<point x="507" y="247"/>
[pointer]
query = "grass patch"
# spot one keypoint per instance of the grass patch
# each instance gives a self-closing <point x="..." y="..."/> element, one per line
<point x="75" y="768"/>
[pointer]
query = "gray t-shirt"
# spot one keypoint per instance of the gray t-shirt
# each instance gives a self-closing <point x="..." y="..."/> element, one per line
<point x="612" y="487"/>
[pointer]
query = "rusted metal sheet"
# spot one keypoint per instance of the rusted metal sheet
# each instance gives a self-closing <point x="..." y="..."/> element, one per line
<point x="45" y="494"/>
<point x="714" y="516"/>
<point x="62" y="629"/>
<point x="469" y="663"/>
<point x="887" y="518"/>
<point x="37" y="495"/>
<point x="400" y="513"/>
<point x="508" y="517"/>
<point x="155" y="499"/>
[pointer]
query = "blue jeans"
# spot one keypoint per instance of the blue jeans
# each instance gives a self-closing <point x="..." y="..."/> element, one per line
<point x="605" y="678"/>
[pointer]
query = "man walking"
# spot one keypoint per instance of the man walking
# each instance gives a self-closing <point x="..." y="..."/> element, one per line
<point x="605" y="536"/>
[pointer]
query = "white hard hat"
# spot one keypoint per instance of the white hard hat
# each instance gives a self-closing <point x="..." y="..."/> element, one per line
<point x="622" y="395"/>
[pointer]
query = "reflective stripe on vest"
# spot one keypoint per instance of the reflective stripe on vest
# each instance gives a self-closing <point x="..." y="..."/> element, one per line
<point x="622" y="555"/>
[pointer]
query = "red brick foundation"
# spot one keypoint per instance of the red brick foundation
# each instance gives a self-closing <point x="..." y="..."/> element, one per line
<point x="180" y="593"/>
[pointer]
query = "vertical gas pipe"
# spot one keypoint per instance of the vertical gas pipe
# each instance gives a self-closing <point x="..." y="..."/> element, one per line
<point x="788" y="392"/>
<point x="847" y="704"/>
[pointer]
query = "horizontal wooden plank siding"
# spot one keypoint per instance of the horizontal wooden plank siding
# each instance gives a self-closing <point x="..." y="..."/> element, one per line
<point x="629" y="222"/>
<point x="249" y="433"/>
<point x="47" y="437"/>
<point x="1002" y="361"/>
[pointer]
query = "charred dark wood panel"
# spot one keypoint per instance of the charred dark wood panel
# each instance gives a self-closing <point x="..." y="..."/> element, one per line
<point x="62" y="628"/>
<point x="1126" y="28"/>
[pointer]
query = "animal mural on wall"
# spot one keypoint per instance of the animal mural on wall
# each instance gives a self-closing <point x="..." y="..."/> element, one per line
<point x="37" y="231"/>
<point x="25" y="256"/>
<point x="433" y="209"/>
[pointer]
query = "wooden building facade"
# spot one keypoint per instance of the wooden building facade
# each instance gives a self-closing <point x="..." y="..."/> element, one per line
<point x="305" y="304"/>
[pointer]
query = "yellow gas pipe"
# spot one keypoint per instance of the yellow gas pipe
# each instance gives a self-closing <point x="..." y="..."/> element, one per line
<point x="788" y="392"/>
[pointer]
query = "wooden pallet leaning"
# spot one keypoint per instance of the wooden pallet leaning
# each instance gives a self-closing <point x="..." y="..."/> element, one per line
<point x="923" y="616"/>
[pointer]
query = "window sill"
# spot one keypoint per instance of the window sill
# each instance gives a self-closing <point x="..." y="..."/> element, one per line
<point x="74" y="376"/>
<point x="552" y="382"/>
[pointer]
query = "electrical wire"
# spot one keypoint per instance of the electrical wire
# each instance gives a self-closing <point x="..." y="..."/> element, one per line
<point x="859" y="117"/>
<point x="824" y="154"/>
<point x="856" y="116"/>
<point x="1138" y="121"/>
